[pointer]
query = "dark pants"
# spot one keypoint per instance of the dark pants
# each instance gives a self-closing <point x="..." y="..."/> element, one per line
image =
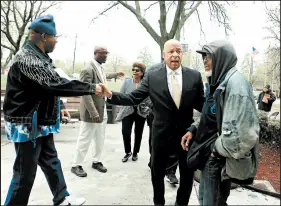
<point x="159" y="159"/>
<point x="213" y="191"/>
<point x="127" y="124"/>
<point x="24" y="171"/>
<point x="172" y="163"/>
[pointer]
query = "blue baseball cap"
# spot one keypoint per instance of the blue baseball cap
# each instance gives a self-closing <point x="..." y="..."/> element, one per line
<point x="44" y="24"/>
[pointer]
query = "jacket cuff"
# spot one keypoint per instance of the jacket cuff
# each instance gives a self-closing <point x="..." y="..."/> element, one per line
<point x="219" y="148"/>
<point x="62" y="106"/>
<point x="92" y="89"/>
<point x="192" y="129"/>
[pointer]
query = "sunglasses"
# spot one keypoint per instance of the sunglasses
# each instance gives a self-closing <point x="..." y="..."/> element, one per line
<point x="207" y="55"/>
<point x="136" y="70"/>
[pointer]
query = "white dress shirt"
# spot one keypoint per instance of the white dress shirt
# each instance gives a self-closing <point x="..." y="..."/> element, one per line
<point x="103" y="77"/>
<point x="100" y="70"/>
<point x="178" y="76"/>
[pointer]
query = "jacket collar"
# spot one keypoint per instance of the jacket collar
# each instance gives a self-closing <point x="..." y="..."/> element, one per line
<point x="30" y="45"/>
<point x="222" y="85"/>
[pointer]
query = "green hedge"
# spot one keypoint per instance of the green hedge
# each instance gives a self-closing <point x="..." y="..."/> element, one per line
<point x="269" y="129"/>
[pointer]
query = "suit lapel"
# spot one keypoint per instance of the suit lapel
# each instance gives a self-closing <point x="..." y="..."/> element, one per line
<point x="96" y="71"/>
<point x="163" y="75"/>
<point x="184" y="83"/>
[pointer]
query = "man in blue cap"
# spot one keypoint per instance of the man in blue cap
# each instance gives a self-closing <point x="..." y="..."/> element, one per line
<point x="32" y="114"/>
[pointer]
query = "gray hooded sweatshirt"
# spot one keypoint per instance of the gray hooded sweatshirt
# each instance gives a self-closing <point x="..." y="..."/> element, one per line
<point x="239" y="138"/>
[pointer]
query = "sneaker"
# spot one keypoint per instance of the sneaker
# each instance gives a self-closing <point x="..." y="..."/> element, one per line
<point x="99" y="166"/>
<point x="135" y="157"/>
<point x="69" y="200"/>
<point x="78" y="171"/>
<point x="171" y="178"/>
<point x="126" y="157"/>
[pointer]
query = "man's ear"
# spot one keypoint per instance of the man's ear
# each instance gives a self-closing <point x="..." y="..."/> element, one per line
<point x="43" y="36"/>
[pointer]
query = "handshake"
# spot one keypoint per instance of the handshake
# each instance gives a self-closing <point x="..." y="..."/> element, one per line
<point x="103" y="90"/>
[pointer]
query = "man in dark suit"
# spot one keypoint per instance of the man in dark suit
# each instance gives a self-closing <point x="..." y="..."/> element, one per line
<point x="172" y="162"/>
<point x="174" y="91"/>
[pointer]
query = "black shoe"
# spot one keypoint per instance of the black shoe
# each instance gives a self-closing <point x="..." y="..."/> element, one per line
<point x="78" y="170"/>
<point x="99" y="166"/>
<point x="135" y="157"/>
<point x="171" y="178"/>
<point x="126" y="157"/>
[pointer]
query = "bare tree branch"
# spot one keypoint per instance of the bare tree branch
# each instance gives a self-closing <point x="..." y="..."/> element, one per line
<point x="6" y="47"/>
<point x="150" y="6"/>
<point x="137" y="3"/>
<point x="176" y="22"/>
<point x="218" y="13"/>
<point x="183" y="11"/>
<point x="201" y="28"/>
<point x="171" y="4"/>
<point x="162" y="20"/>
<point x="36" y="14"/>
<point x="104" y="11"/>
<point x="143" y="21"/>
<point x="15" y="16"/>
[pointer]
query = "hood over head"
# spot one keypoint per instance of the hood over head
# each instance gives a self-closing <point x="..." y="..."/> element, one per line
<point x="223" y="59"/>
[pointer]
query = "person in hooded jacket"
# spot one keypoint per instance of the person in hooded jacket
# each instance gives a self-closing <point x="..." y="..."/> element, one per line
<point x="266" y="99"/>
<point x="223" y="144"/>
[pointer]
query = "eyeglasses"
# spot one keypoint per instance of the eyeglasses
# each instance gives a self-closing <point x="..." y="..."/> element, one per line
<point x="103" y="52"/>
<point x="135" y="70"/>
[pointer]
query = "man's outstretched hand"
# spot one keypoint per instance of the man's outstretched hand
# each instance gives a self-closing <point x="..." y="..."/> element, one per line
<point x="99" y="90"/>
<point x="106" y="90"/>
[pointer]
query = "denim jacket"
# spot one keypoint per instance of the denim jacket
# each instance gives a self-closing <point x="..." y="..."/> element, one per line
<point x="33" y="85"/>
<point x="239" y="139"/>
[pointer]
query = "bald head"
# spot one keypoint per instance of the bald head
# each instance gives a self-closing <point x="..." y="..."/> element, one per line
<point x="170" y="43"/>
<point x="100" y="53"/>
<point x="99" y="48"/>
<point x="172" y="53"/>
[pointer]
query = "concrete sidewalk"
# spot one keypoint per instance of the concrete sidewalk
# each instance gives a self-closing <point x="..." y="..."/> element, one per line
<point x="124" y="183"/>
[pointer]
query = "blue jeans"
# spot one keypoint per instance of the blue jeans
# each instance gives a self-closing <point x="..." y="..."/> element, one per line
<point x="25" y="166"/>
<point x="213" y="191"/>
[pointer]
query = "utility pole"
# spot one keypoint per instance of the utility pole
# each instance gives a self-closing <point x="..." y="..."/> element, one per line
<point x="74" y="55"/>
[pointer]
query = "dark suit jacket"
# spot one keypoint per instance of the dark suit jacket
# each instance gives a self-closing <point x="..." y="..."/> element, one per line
<point x="170" y="123"/>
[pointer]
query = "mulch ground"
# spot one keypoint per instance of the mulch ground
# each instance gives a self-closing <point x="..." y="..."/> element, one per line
<point x="269" y="166"/>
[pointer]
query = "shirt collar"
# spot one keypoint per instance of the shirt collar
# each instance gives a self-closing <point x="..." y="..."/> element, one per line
<point x="96" y="63"/>
<point x="169" y="71"/>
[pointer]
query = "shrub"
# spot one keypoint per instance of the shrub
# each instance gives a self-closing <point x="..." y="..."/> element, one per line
<point x="269" y="129"/>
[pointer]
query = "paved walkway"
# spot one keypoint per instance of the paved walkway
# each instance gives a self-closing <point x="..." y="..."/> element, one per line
<point x="124" y="183"/>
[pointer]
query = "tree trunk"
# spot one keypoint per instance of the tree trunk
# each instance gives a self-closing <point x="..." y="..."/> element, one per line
<point x="6" y="62"/>
<point x="161" y="51"/>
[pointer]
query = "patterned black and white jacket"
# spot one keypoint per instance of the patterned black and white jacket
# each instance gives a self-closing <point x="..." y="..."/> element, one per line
<point x="34" y="85"/>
